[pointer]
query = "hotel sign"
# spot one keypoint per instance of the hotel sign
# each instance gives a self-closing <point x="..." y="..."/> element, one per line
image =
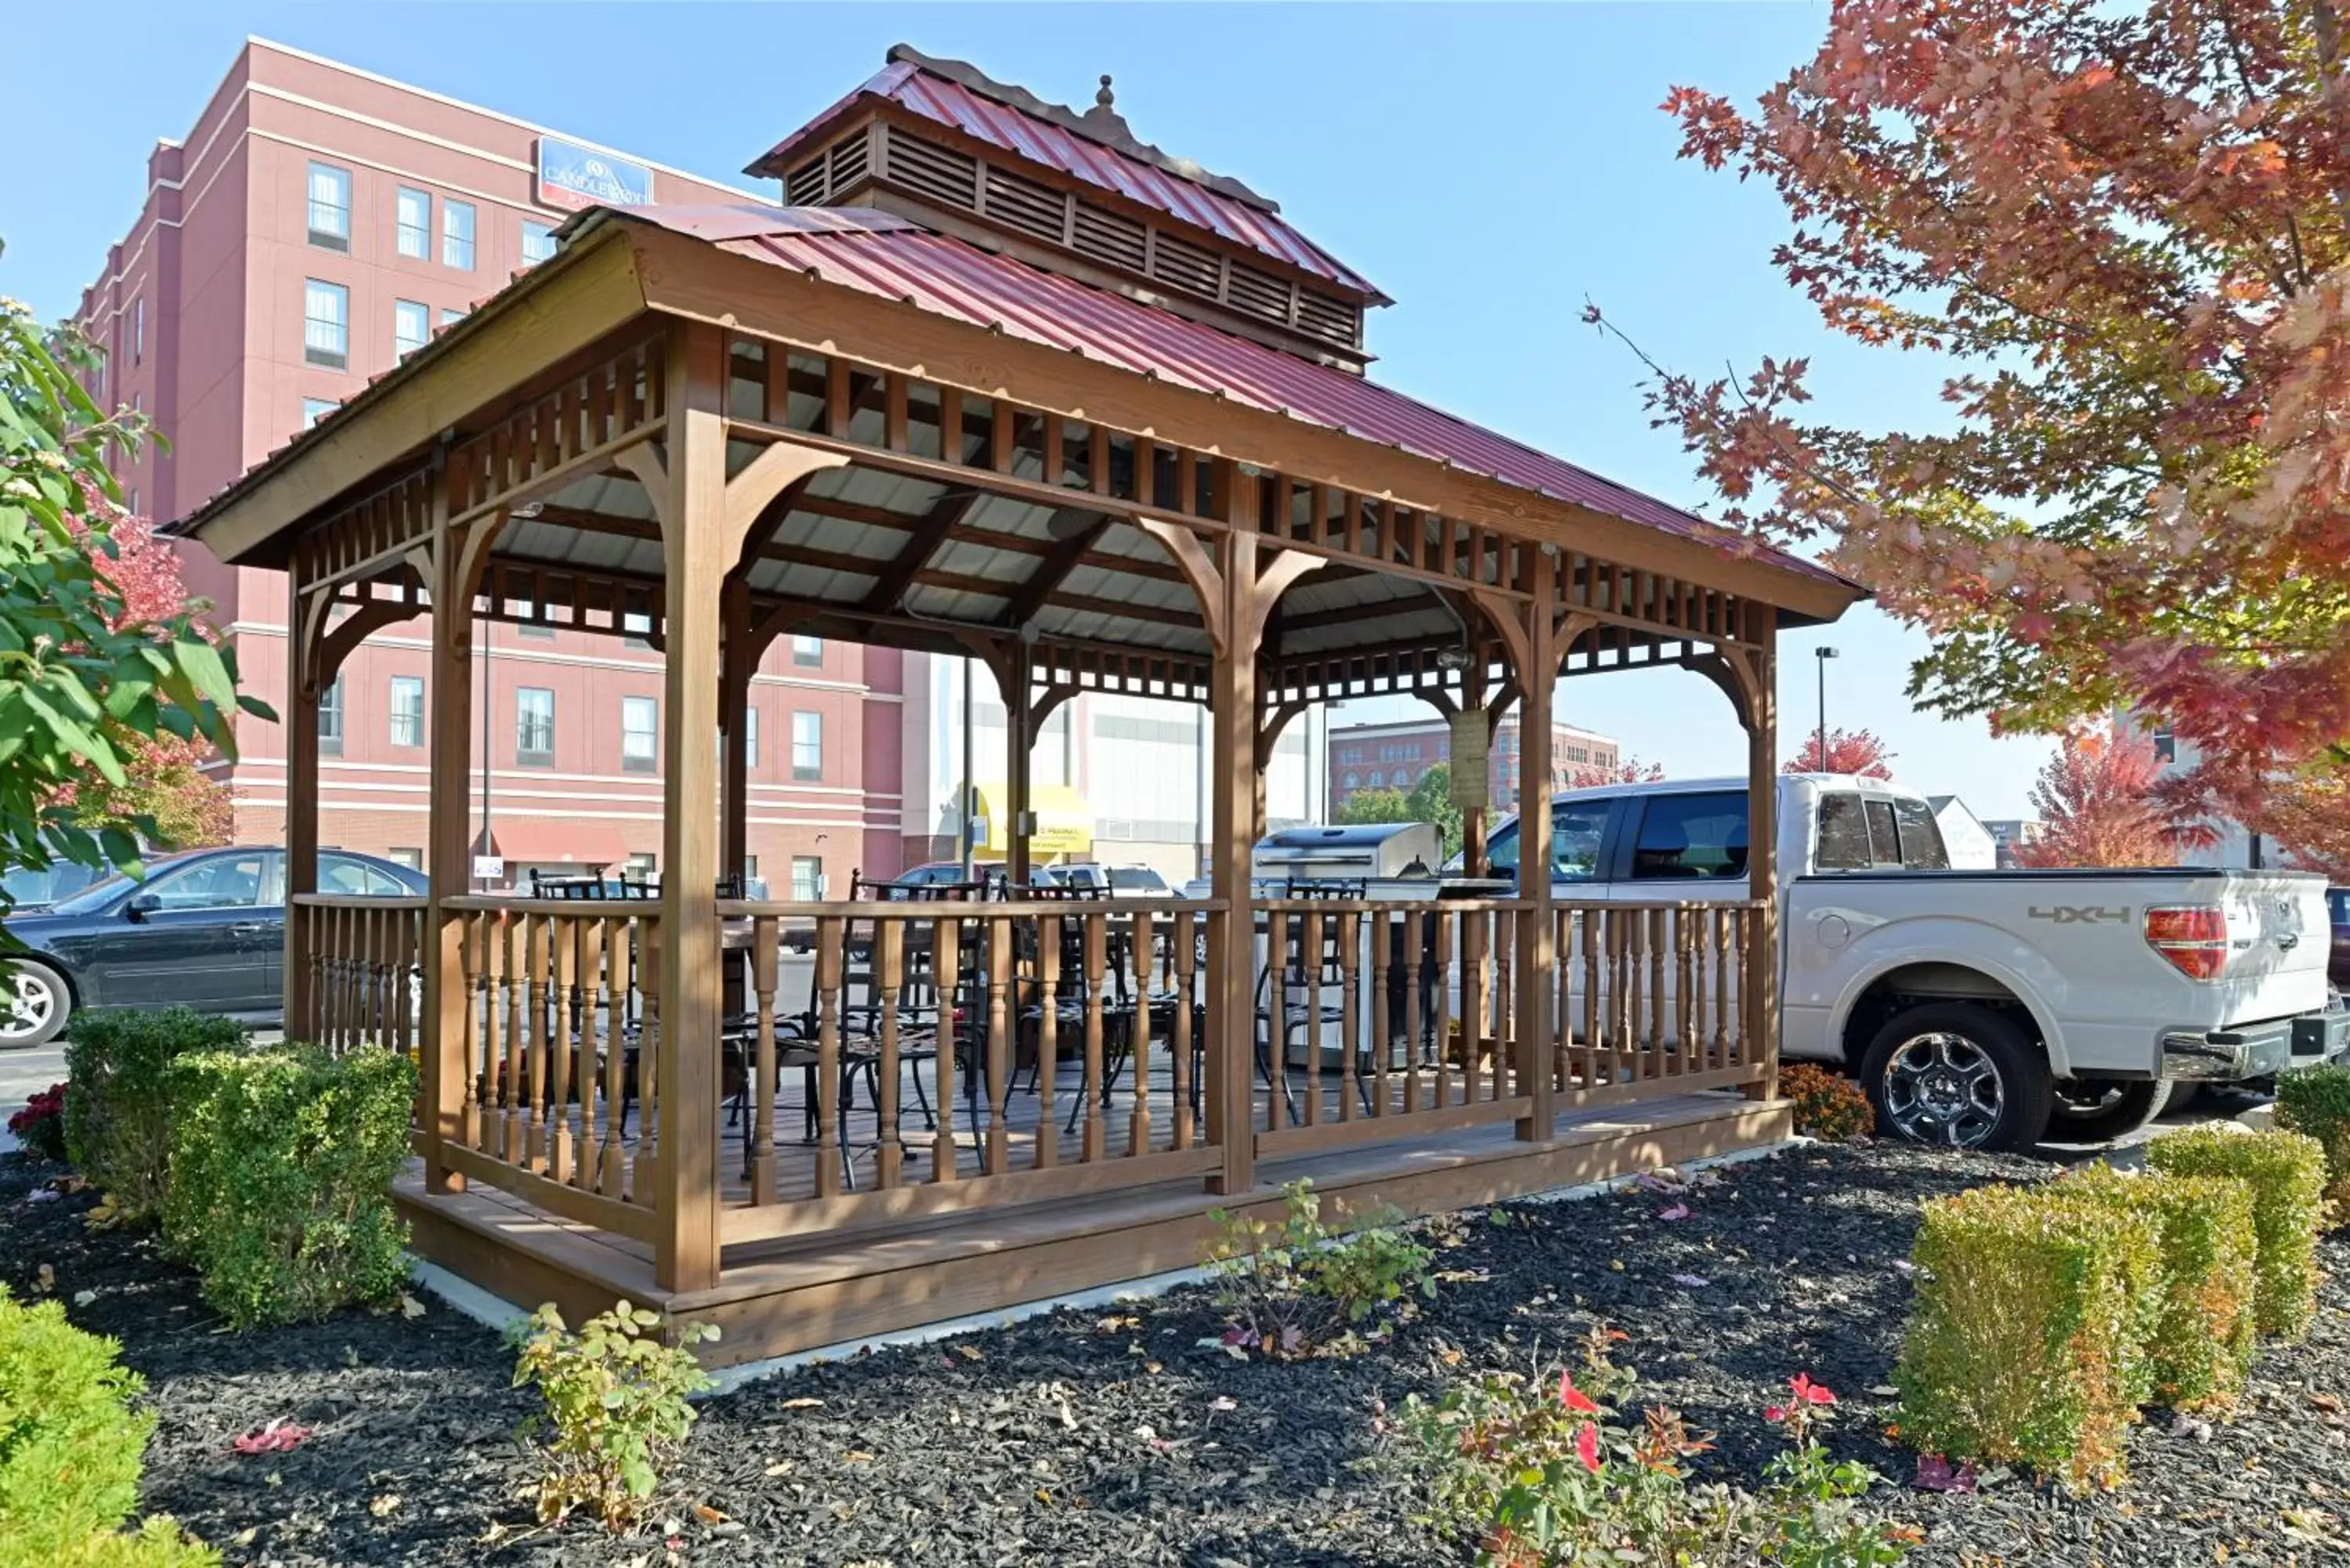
<point x="573" y="176"/>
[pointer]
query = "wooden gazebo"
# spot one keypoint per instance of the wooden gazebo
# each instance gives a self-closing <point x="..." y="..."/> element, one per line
<point x="894" y="420"/>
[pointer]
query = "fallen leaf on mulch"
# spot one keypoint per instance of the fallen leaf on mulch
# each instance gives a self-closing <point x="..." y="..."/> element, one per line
<point x="707" y="1514"/>
<point x="802" y="1403"/>
<point x="1677" y="1211"/>
<point x="83" y="1298"/>
<point x="43" y="1195"/>
<point x="1691" y="1282"/>
<point x="383" y="1507"/>
<point x="278" y="1437"/>
<point x="968" y="1353"/>
<point x="2327" y="1403"/>
<point x="410" y="1307"/>
<point x="1936" y="1473"/>
<point x="858" y="1457"/>
<point x="45" y="1279"/>
<point x="1223" y="1402"/>
<point x="1118" y="1324"/>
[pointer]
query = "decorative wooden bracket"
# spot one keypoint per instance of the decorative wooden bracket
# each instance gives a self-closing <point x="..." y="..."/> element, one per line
<point x="1732" y="670"/>
<point x="1199" y="567"/>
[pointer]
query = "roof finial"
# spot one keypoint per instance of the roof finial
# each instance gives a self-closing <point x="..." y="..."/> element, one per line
<point x="1103" y="98"/>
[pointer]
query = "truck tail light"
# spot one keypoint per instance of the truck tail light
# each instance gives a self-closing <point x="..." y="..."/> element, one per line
<point x="2192" y="937"/>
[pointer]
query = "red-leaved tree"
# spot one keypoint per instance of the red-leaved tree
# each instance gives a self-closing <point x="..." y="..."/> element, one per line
<point x="1626" y="769"/>
<point x="2099" y="805"/>
<point x="1860" y="752"/>
<point x="166" y="796"/>
<point x="2128" y="228"/>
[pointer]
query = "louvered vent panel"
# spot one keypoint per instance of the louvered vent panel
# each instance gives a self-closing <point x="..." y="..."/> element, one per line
<point x="1185" y="265"/>
<point x="1109" y="237"/>
<point x="1331" y="320"/>
<point x="804" y="186"/>
<point x="937" y="171"/>
<point x="849" y="161"/>
<point x="1025" y="205"/>
<point x="1258" y="293"/>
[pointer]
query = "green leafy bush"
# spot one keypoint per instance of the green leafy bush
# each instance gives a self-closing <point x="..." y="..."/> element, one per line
<point x="615" y="1407"/>
<point x="2286" y="1172"/>
<point x="1828" y="1105"/>
<point x="2200" y="1346"/>
<point x="1302" y="1286"/>
<point x="2026" y="1342"/>
<point x="156" y="1545"/>
<point x="2315" y="1102"/>
<point x="118" y="1116"/>
<point x="70" y="1441"/>
<point x="282" y="1162"/>
<point x="1544" y="1475"/>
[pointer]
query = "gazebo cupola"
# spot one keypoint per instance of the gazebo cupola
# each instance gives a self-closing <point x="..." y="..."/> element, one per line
<point x="939" y="143"/>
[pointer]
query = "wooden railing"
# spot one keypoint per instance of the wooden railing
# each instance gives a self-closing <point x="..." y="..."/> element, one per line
<point x="561" y="1055"/>
<point x="1377" y="1021"/>
<point x="877" y="1061"/>
<point x="1068" y="1038"/>
<point x="1649" y="999"/>
<point x="365" y="971"/>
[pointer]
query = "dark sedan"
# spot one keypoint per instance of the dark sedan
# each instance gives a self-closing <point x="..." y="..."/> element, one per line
<point x="204" y="930"/>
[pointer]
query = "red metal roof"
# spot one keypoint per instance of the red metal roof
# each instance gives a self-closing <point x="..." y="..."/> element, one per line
<point x="913" y="84"/>
<point x="885" y="255"/>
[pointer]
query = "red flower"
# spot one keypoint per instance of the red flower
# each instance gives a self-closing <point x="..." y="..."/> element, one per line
<point x="1807" y="1392"/>
<point x="1587" y="1446"/>
<point x="1574" y="1398"/>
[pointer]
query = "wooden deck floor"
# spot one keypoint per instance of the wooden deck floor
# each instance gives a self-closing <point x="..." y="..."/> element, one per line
<point x="814" y="1290"/>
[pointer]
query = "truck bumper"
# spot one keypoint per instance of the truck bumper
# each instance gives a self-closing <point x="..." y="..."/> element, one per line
<point x="2256" y="1050"/>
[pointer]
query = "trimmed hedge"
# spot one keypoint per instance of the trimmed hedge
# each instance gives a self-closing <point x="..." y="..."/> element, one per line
<point x="70" y="1442"/>
<point x="2286" y="1173"/>
<point x="2025" y="1341"/>
<point x="2201" y="1344"/>
<point x="281" y="1169"/>
<point x="118" y="1115"/>
<point x="2315" y="1101"/>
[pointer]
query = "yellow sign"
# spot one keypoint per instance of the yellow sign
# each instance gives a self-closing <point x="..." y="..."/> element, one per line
<point x="1064" y="821"/>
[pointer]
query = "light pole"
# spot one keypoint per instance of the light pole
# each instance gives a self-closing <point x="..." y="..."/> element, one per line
<point x="1823" y="655"/>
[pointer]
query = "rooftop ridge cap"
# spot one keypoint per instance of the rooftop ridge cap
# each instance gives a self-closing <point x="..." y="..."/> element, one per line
<point x="1111" y="130"/>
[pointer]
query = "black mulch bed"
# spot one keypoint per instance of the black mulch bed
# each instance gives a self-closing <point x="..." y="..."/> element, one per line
<point x="1114" y="1437"/>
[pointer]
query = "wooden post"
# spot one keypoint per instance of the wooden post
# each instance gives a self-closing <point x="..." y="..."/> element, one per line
<point x="705" y="519"/>
<point x="449" y="687"/>
<point x="1012" y="677"/>
<point x="1231" y="813"/>
<point x="1762" y="988"/>
<point x="739" y="661"/>
<point x="304" y="635"/>
<point x="696" y="557"/>
<point x="1538" y="1024"/>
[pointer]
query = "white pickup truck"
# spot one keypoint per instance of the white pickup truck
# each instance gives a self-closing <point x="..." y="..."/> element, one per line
<point x="1986" y="1009"/>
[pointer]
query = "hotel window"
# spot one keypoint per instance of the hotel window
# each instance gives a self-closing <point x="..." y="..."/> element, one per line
<point x="637" y="868"/>
<point x="411" y="327"/>
<point x="537" y="241"/>
<point x="750" y="737"/>
<point x="537" y="628"/>
<point x="808" y="746"/>
<point x="1354" y="781"/>
<point x="1376" y="777"/>
<point x="534" y="727"/>
<point x="315" y="409"/>
<point x="407" y="710"/>
<point x="457" y="235"/>
<point x="751" y="876"/>
<point x="139" y="331"/>
<point x="330" y="720"/>
<point x="413" y="218"/>
<point x="808" y="878"/>
<point x="330" y="207"/>
<point x="326" y="323"/>
<point x="640" y="743"/>
<point x="807" y="651"/>
<point x="132" y="505"/>
<point x="411" y="859"/>
<point x="451" y="317"/>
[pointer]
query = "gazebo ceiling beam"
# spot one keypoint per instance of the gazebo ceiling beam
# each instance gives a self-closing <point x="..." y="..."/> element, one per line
<point x="1085" y="530"/>
<point x="951" y="511"/>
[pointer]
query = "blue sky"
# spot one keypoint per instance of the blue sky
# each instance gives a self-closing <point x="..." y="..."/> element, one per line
<point x="1490" y="167"/>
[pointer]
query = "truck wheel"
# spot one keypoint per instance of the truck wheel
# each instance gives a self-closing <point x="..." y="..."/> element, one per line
<point x="2096" y="1110"/>
<point x="1958" y="1074"/>
<point x="35" y="1010"/>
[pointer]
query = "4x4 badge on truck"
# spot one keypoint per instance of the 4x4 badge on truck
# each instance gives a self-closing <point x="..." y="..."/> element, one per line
<point x="2080" y="915"/>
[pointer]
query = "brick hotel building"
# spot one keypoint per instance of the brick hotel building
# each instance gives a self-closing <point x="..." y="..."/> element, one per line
<point x="315" y="224"/>
<point x="1393" y="756"/>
